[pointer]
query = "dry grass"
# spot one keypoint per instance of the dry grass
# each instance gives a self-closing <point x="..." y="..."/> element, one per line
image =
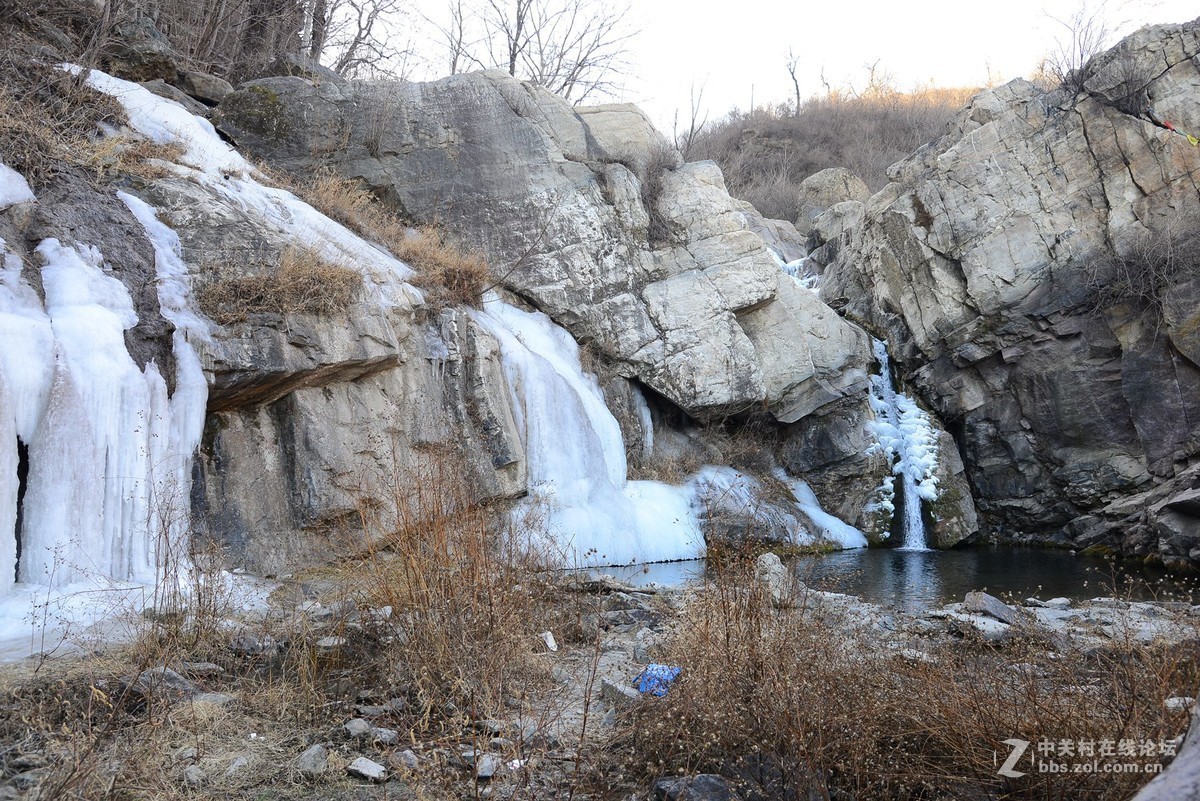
<point x="770" y="698"/>
<point x="449" y="273"/>
<point x="443" y="613"/>
<point x="469" y="595"/>
<point x="302" y="281"/>
<point x="49" y="118"/>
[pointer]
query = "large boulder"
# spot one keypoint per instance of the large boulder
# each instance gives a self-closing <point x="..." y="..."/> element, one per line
<point x="824" y="190"/>
<point x="587" y="214"/>
<point x="985" y="262"/>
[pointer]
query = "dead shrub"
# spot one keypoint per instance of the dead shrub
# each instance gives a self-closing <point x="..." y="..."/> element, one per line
<point x="301" y="281"/>
<point x="772" y="699"/>
<point x="50" y="118"/>
<point x="1143" y="278"/>
<point x="468" y="595"/>
<point x="663" y="159"/>
<point x="449" y="273"/>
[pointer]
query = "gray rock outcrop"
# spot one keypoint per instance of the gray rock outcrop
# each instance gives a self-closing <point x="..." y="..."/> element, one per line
<point x="985" y="262"/>
<point x="311" y="414"/>
<point x="566" y="203"/>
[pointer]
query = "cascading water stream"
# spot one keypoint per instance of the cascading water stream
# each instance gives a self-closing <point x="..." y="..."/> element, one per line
<point x="905" y="436"/>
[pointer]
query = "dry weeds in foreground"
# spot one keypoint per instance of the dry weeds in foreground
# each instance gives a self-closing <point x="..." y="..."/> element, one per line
<point x="440" y="621"/>
<point x="797" y="703"/>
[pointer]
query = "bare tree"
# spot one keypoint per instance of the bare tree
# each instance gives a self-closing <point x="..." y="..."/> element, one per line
<point x="793" y="61"/>
<point x="685" y="140"/>
<point x="353" y="37"/>
<point x="572" y="47"/>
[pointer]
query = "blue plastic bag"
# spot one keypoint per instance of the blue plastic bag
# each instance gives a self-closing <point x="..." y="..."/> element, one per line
<point x="656" y="679"/>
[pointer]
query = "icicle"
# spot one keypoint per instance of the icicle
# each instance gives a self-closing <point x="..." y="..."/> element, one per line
<point x="904" y="434"/>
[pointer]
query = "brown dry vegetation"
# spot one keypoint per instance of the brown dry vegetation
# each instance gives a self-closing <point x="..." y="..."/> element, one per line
<point x="442" y="613"/>
<point x="50" y="120"/>
<point x="765" y="154"/>
<point x="449" y="273"/>
<point x="799" y="704"/>
<point x="301" y="281"/>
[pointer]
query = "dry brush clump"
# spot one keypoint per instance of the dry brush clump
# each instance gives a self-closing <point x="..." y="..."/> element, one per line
<point x="51" y="120"/>
<point x="300" y="281"/>
<point x="766" y="153"/>
<point x="804" y="703"/>
<point x="449" y="273"/>
<point x="1144" y="276"/>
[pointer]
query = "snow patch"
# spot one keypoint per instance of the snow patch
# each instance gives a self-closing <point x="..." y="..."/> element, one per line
<point x="14" y="188"/>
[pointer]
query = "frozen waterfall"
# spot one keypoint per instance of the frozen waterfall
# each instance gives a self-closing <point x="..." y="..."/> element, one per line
<point x="904" y="434"/>
<point x="576" y="458"/>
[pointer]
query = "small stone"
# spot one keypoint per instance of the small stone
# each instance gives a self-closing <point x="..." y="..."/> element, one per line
<point x="1037" y="603"/>
<point x="367" y="769"/>
<point x="357" y="728"/>
<point x="194" y="776"/>
<point x="29" y="779"/>
<point x="917" y="655"/>
<point x="405" y="759"/>
<point x="330" y="643"/>
<point x="493" y="727"/>
<point x="776" y="578"/>
<point x="200" y="668"/>
<point x="618" y="695"/>
<point x="1179" y="703"/>
<point x="705" y="787"/>
<point x="983" y="604"/>
<point x="161" y="682"/>
<point x="487" y="765"/>
<point x="1058" y="603"/>
<point x="186" y="754"/>
<point x="216" y="699"/>
<point x="551" y="643"/>
<point x="313" y="762"/>
<point x="385" y="736"/>
<point x="236" y="766"/>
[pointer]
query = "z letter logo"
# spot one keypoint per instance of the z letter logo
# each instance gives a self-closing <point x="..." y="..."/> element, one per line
<point x="1018" y="750"/>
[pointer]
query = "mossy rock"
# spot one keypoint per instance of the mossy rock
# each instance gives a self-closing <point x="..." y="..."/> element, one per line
<point x="258" y="111"/>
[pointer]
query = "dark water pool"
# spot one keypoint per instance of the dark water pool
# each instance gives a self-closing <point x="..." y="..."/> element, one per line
<point x="915" y="580"/>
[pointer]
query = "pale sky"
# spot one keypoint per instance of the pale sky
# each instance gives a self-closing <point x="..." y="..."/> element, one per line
<point x="736" y="49"/>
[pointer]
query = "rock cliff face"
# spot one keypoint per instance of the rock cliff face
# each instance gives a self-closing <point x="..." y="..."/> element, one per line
<point x="991" y="262"/>
<point x="587" y="214"/>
